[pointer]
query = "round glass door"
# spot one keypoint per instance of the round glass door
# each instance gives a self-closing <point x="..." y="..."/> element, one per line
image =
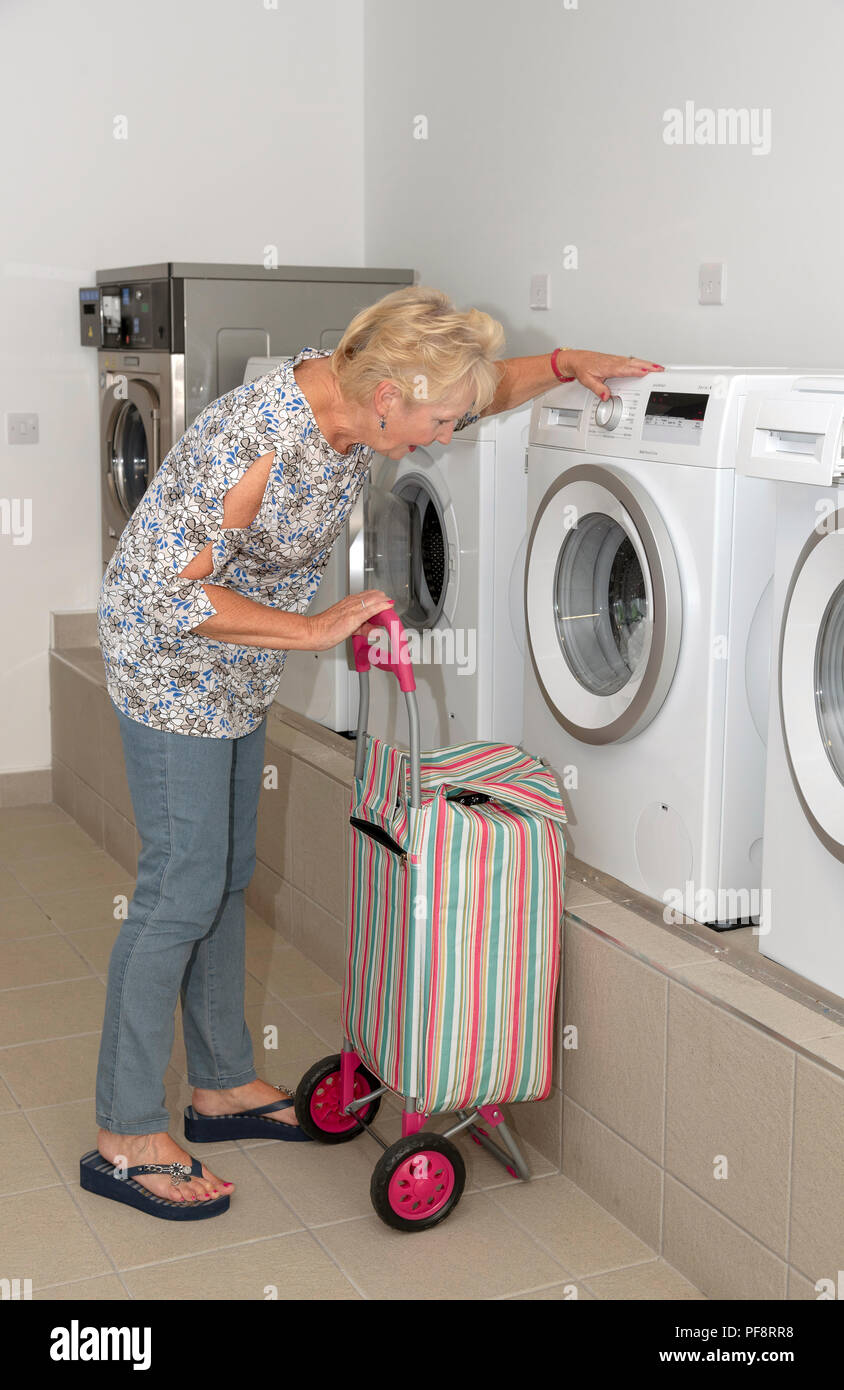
<point x="829" y="682"/>
<point x="133" y="438"/>
<point x="811" y="681"/>
<point x="406" y="549"/>
<point x="603" y="604"/>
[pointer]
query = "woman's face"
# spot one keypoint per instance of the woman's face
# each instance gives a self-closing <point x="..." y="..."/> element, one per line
<point x="422" y="422"/>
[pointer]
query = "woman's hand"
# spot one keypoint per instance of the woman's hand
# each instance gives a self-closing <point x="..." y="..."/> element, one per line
<point x="332" y="626"/>
<point x="592" y="368"/>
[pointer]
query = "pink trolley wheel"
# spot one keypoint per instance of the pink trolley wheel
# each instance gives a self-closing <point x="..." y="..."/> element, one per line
<point x="319" y="1103"/>
<point x="417" y="1182"/>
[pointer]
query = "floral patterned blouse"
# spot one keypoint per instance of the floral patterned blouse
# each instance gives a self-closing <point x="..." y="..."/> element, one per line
<point x="158" y="671"/>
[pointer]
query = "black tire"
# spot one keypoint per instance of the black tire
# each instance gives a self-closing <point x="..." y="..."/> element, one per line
<point x="398" y="1153"/>
<point x="313" y="1078"/>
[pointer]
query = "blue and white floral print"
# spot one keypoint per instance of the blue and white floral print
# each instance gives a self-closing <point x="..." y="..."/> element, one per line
<point x="158" y="671"/>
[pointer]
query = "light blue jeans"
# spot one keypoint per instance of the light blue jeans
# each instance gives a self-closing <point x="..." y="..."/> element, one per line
<point x="196" y="808"/>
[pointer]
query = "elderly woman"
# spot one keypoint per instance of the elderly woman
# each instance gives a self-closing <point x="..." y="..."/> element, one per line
<point x="207" y="590"/>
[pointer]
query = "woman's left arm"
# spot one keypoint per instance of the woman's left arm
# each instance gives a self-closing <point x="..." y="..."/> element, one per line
<point x="522" y="378"/>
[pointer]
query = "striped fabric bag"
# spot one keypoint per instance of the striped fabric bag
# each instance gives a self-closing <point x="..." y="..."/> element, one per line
<point x="455" y="918"/>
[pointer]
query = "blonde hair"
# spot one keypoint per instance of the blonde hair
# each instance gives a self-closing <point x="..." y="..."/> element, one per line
<point x="417" y="339"/>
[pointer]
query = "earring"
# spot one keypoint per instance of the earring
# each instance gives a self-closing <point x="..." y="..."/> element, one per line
<point x="383" y="423"/>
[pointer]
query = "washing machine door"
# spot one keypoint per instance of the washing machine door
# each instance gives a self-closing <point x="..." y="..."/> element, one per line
<point x="131" y="415"/>
<point x="603" y="604"/>
<point x="811" y="678"/>
<point x="409" y="548"/>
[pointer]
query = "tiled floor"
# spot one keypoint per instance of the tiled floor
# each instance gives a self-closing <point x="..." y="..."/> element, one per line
<point x="301" y="1220"/>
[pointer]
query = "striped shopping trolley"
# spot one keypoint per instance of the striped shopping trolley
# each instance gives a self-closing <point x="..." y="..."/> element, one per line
<point x="456" y="905"/>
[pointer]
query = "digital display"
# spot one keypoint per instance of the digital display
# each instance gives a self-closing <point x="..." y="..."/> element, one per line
<point x="111" y="313"/>
<point x="675" y="417"/>
<point x="676" y="405"/>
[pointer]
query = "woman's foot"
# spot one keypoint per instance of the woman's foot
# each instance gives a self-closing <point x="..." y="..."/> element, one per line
<point x="160" y="1148"/>
<point x="247" y="1097"/>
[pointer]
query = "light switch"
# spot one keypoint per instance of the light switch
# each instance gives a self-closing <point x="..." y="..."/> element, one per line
<point x="21" y="429"/>
<point x="711" y="277"/>
<point x="540" y="291"/>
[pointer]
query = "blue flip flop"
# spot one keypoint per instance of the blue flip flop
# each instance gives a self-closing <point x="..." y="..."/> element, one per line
<point x="246" y="1124"/>
<point x="96" y="1174"/>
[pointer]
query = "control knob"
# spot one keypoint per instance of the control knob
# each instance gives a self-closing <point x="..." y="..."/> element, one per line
<point x="608" y="413"/>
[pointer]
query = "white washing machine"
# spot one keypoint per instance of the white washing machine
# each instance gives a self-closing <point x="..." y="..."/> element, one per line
<point x="321" y="685"/>
<point x="797" y="441"/>
<point x="442" y="531"/>
<point x="648" y="602"/>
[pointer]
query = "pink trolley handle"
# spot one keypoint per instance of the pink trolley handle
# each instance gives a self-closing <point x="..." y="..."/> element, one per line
<point x="398" y="661"/>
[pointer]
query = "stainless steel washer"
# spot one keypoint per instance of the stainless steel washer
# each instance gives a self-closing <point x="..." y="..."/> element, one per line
<point x="173" y="337"/>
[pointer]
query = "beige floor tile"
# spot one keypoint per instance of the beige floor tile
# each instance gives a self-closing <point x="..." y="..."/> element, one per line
<point x="46" y="1239"/>
<point x="290" y="1035"/>
<point x="70" y="1130"/>
<point x="134" y="1238"/>
<point x="321" y="1012"/>
<point x="62" y="872"/>
<point x="570" y="1291"/>
<point x="95" y="946"/>
<point x="10" y="887"/>
<point x="50" y="1073"/>
<point x="321" y="1182"/>
<point x="41" y="1012"/>
<point x="583" y="1237"/>
<point x="651" y="1281"/>
<point x="476" y="1253"/>
<point x="37" y="961"/>
<point x="802" y="1289"/>
<point x="264" y="946"/>
<point x="22" y="918"/>
<point x="106" y="1288"/>
<point x="41" y="813"/>
<point x="7" y="1100"/>
<point x="84" y="909"/>
<point x="23" y="1162"/>
<point x="291" y="1267"/>
<point x="38" y="841"/>
<point x="291" y="975"/>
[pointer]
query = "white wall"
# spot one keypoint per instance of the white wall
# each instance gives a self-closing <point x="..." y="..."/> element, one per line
<point x="249" y="126"/>
<point x="546" y="130"/>
<point x="244" y="129"/>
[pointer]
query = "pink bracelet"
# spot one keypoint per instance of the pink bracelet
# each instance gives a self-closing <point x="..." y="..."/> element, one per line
<point x="554" y="367"/>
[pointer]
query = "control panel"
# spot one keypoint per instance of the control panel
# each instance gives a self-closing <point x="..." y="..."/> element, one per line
<point x="134" y="315"/>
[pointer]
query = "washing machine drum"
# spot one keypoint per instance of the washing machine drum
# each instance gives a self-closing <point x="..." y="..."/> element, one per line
<point x="603" y="605"/>
<point x="406" y="549"/>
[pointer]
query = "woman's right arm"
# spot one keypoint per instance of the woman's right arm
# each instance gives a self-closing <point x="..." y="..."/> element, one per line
<point x="249" y="624"/>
